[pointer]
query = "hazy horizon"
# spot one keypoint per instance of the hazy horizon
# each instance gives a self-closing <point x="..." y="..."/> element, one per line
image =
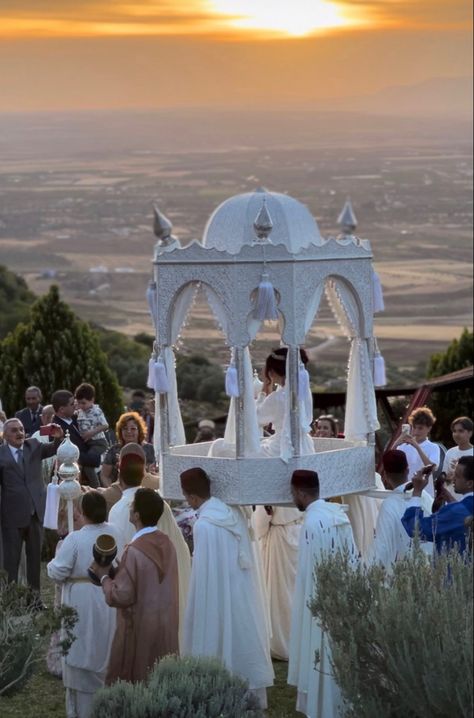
<point x="91" y="54"/>
<point x="365" y="103"/>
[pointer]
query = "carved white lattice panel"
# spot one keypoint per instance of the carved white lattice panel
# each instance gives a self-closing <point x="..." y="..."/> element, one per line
<point x="267" y="480"/>
<point x="234" y="282"/>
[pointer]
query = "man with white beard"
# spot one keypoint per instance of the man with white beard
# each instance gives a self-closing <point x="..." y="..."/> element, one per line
<point x="325" y="530"/>
<point x="85" y="664"/>
<point x="225" y="615"/>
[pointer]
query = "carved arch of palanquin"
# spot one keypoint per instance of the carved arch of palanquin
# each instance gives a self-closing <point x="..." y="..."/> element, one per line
<point x="295" y="281"/>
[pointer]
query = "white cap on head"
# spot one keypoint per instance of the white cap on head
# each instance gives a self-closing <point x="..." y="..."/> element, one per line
<point x="206" y="424"/>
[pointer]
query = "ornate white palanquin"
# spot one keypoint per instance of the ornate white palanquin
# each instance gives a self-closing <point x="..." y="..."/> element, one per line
<point x="269" y="237"/>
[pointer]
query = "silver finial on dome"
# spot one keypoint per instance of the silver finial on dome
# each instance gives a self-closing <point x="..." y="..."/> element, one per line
<point x="263" y="224"/>
<point x="162" y="227"/>
<point x="67" y="451"/>
<point x="347" y="219"/>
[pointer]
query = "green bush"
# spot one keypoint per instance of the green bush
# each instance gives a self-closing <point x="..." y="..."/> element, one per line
<point x="180" y="688"/>
<point x="447" y="405"/>
<point x="402" y="644"/>
<point x="146" y="339"/>
<point x="15" y="300"/>
<point x="199" y="379"/>
<point x="128" y="358"/>
<point x="22" y="630"/>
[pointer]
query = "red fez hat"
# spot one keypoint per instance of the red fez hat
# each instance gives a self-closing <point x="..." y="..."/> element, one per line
<point x="132" y="454"/>
<point x="195" y="481"/>
<point x="304" y="479"/>
<point x="395" y="461"/>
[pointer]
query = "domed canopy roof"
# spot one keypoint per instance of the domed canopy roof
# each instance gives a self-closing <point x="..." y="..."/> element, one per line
<point x="232" y="224"/>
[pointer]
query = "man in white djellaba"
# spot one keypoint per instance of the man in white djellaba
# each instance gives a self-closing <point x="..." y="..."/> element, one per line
<point x="325" y="530"/>
<point x="131" y="474"/>
<point x="391" y="542"/>
<point x="225" y="615"/>
<point x="85" y="664"/>
<point x="277" y="529"/>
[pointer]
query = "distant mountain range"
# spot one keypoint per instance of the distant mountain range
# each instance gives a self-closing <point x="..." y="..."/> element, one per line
<point x="443" y="96"/>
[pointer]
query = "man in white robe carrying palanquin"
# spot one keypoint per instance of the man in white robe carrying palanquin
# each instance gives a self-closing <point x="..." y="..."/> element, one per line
<point x="277" y="529"/>
<point x="225" y="615"/>
<point x="85" y="664"/>
<point x="325" y="530"/>
<point x="391" y="542"/>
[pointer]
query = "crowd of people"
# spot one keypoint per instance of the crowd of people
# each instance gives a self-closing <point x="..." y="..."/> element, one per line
<point x="203" y="578"/>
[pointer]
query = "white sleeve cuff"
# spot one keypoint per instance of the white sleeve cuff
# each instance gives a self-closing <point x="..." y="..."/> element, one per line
<point x="414" y="501"/>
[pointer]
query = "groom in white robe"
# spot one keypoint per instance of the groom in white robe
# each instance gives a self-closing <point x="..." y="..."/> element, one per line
<point x="85" y="664"/>
<point x="225" y="615"/>
<point x="325" y="529"/>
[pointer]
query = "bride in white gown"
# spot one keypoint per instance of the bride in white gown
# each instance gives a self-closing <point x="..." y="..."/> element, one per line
<point x="271" y="404"/>
<point x="271" y="407"/>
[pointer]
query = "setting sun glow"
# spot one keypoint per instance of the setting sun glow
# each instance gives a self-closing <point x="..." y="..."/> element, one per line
<point x="296" y="18"/>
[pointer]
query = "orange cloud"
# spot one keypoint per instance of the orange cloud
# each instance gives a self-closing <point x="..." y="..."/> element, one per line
<point x="84" y="18"/>
<point x="237" y="19"/>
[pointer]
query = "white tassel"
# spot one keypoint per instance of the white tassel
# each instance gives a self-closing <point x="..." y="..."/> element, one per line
<point x="244" y="560"/>
<point x="150" y="382"/>
<point x="257" y="385"/>
<point x="380" y="376"/>
<point x="231" y="381"/>
<point x="162" y="385"/>
<point x="303" y="383"/>
<point x="151" y="298"/>
<point x="377" y="292"/>
<point x="265" y="305"/>
<point x="50" y="520"/>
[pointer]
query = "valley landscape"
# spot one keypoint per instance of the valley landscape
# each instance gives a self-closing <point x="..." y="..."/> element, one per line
<point x="77" y="191"/>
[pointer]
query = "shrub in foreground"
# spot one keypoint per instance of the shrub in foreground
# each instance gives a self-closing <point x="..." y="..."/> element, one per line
<point x="402" y="644"/>
<point x="22" y="633"/>
<point x="180" y="688"/>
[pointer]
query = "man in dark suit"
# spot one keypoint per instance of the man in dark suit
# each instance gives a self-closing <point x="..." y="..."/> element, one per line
<point x="23" y="498"/>
<point x="63" y="405"/>
<point x="30" y="416"/>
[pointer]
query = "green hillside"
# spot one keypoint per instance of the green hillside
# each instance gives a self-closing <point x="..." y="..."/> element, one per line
<point x="15" y="300"/>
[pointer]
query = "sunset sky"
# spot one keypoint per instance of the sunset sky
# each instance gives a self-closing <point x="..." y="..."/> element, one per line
<point x="80" y="54"/>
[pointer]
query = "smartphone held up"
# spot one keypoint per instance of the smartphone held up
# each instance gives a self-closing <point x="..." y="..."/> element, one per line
<point x="46" y="430"/>
<point x="425" y="471"/>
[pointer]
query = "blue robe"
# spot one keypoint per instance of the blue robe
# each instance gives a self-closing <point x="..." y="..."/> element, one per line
<point x="445" y="528"/>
